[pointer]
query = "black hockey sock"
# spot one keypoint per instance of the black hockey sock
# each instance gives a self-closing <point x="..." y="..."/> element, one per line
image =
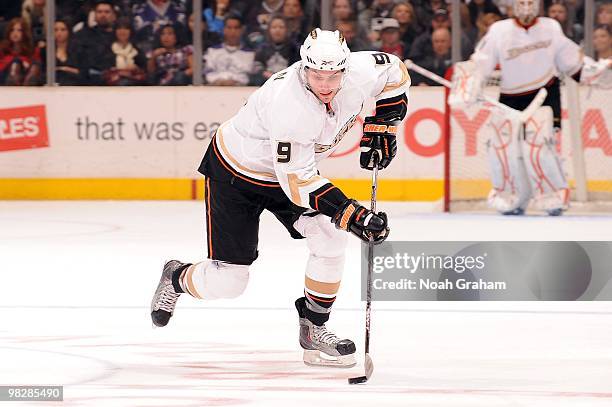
<point x="305" y="306"/>
<point x="176" y="275"/>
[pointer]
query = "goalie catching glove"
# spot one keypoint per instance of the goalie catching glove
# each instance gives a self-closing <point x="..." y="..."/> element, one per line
<point x="378" y="136"/>
<point x="361" y="222"/>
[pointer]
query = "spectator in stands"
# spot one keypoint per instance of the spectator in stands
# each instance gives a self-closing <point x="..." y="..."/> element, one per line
<point x="76" y="13"/>
<point x="342" y="10"/>
<point x="33" y="13"/>
<point x="370" y="19"/>
<point x="312" y="15"/>
<point x="602" y="42"/>
<point x="130" y="62"/>
<point x="209" y="38"/>
<point x="230" y="63"/>
<point x="425" y="10"/>
<point x="258" y="18"/>
<point x="504" y="6"/>
<point x="19" y="58"/>
<point x="297" y="26"/>
<point x="354" y="39"/>
<point x="404" y="14"/>
<point x="479" y="7"/>
<point x="440" y="60"/>
<point x="484" y="22"/>
<point x="604" y="14"/>
<point x="93" y="44"/>
<point x="66" y="65"/>
<point x="422" y="47"/>
<point x="215" y="15"/>
<point x="558" y="10"/>
<point x="467" y="27"/>
<point x="378" y="9"/>
<point x="276" y="53"/>
<point x="151" y="15"/>
<point x="9" y="9"/>
<point x="170" y="64"/>
<point x="390" y="38"/>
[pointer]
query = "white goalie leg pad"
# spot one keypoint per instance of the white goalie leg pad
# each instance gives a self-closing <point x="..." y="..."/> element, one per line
<point x="212" y="279"/>
<point x="327" y="247"/>
<point x="467" y="83"/>
<point x="511" y="190"/>
<point x="542" y="162"/>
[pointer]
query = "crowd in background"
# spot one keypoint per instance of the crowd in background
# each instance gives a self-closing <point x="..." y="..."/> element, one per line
<point x="150" y="42"/>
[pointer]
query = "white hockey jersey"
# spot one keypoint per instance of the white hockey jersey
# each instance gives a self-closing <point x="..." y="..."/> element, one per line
<point x="283" y="130"/>
<point x="528" y="57"/>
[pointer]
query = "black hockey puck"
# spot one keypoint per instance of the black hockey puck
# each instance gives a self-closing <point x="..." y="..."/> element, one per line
<point x="357" y="380"/>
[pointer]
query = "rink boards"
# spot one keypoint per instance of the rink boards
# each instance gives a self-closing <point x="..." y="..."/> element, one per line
<point x="146" y="143"/>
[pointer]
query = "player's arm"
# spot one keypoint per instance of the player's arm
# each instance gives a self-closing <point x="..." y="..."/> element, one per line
<point x="469" y="76"/>
<point x="570" y="60"/>
<point x="391" y="93"/>
<point x="486" y="54"/>
<point x="295" y="167"/>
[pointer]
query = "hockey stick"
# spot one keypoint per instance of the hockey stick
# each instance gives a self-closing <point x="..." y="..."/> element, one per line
<point x="522" y="115"/>
<point x="368" y="364"/>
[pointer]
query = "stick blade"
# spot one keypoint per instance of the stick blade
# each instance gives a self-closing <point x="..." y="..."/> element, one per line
<point x="369" y="368"/>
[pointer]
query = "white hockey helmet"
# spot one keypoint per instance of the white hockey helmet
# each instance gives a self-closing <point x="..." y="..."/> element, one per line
<point x="325" y="50"/>
<point x="526" y="10"/>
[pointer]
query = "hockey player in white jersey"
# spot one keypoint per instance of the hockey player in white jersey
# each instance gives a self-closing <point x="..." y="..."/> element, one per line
<point x="532" y="52"/>
<point x="265" y="158"/>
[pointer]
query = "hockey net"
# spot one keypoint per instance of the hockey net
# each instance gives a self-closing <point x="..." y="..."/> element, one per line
<point x="467" y="180"/>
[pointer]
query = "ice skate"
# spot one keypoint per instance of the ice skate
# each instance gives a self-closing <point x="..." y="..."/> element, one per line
<point x="165" y="297"/>
<point x="322" y="347"/>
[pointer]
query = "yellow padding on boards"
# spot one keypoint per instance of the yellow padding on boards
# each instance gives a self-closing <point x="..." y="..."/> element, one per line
<point x="388" y="189"/>
<point x="189" y="189"/>
<point x="98" y="188"/>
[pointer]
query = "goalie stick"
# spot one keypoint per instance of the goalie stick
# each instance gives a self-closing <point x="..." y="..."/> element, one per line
<point x="523" y="115"/>
<point x="368" y="364"/>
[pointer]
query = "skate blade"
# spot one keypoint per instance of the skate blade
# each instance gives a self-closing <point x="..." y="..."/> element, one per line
<point x="316" y="358"/>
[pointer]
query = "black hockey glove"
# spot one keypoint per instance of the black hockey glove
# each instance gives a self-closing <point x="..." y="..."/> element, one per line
<point x="378" y="135"/>
<point x="361" y="222"/>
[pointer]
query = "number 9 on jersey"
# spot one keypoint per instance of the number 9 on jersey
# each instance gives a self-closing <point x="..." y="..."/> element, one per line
<point x="283" y="152"/>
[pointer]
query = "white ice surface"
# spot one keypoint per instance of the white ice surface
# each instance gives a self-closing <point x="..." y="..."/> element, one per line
<point x="77" y="279"/>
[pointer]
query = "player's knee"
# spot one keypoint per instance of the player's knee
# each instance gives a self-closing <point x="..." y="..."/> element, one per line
<point x="215" y="280"/>
<point x="230" y="280"/>
<point x="324" y="240"/>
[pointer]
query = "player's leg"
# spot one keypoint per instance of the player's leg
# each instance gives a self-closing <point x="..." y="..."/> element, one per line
<point x="327" y="246"/>
<point x="232" y="219"/>
<point x="538" y="149"/>
<point x="324" y="269"/>
<point x="511" y="190"/>
<point x="551" y="192"/>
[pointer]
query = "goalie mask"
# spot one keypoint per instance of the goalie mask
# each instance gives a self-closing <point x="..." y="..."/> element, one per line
<point x="526" y="10"/>
<point x="325" y="51"/>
